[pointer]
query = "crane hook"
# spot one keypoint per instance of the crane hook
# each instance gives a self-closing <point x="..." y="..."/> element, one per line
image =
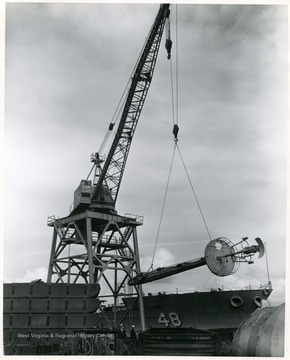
<point x="168" y="46"/>
<point x="175" y="132"/>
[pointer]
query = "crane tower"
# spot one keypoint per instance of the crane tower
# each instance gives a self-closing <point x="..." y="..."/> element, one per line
<point x="94" y="244"/>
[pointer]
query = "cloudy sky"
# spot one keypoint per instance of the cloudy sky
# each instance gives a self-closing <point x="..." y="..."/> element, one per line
<point x="66" y="68"/>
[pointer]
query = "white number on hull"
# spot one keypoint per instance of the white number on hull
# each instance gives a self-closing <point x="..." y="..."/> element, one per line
<point x="173" y="319"/>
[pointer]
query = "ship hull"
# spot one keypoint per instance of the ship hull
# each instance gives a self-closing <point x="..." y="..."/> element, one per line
<point x="41" y="318"/>
<point x="201" y="310"/>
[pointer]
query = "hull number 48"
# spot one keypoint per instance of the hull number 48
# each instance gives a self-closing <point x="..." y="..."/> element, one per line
<point x="168" y="320"/>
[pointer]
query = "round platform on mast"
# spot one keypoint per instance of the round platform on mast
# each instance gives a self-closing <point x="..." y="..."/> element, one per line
<point x="220" y="258"/>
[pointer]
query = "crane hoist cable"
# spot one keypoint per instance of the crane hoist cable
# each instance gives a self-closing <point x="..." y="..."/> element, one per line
<point x="194" y="193"/>
<point x="176" y="128"/>
<point x="120" y="105"/>
<point x="163" y="204"/>
<point x="168" y="46"/>
<point x="176" y="64"/>
<point x="175" y="133"/>
<point x="116" y="113"/>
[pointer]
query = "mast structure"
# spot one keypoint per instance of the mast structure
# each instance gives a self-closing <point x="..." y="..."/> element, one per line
<point x="94" y="244"/>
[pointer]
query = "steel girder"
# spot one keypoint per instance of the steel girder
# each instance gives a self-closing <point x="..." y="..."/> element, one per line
<point x="112" y="171"/>
<point x="96" y="248"/>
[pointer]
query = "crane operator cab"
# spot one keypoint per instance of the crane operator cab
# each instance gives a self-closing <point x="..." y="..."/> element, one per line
<point x="82" y="197"/>
<point x="82" y="194"/>
<point x="86" y="196"/>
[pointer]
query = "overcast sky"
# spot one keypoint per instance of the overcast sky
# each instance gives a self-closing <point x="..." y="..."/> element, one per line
<point x="66" y="68"/>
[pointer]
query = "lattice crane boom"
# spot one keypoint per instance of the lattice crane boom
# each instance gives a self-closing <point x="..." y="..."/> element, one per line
<point x="103" y="192"/>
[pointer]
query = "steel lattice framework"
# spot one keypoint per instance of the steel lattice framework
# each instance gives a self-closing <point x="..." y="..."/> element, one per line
<point x="94" y="244"/>
<point x="95" y="241"/>
<point x="96" y="248"/>
<point x="109" y="172"/>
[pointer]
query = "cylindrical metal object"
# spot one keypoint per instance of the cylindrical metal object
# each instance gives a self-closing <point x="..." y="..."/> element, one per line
<point x="262" y="334"/>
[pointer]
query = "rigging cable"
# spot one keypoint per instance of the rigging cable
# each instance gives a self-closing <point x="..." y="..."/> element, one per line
<point x="176" y="66"/>
<point x="174" y="110"/>
<point x="172" y="94"/>
<point x="175" y="132"/>
<point x="163" y="205"/>
<point x="177" y="111"/>
<point x="120" y="106"/>
<point x="194" y="193"/>
<point x="115" y="116"/>
<point x="268" y="273"/>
